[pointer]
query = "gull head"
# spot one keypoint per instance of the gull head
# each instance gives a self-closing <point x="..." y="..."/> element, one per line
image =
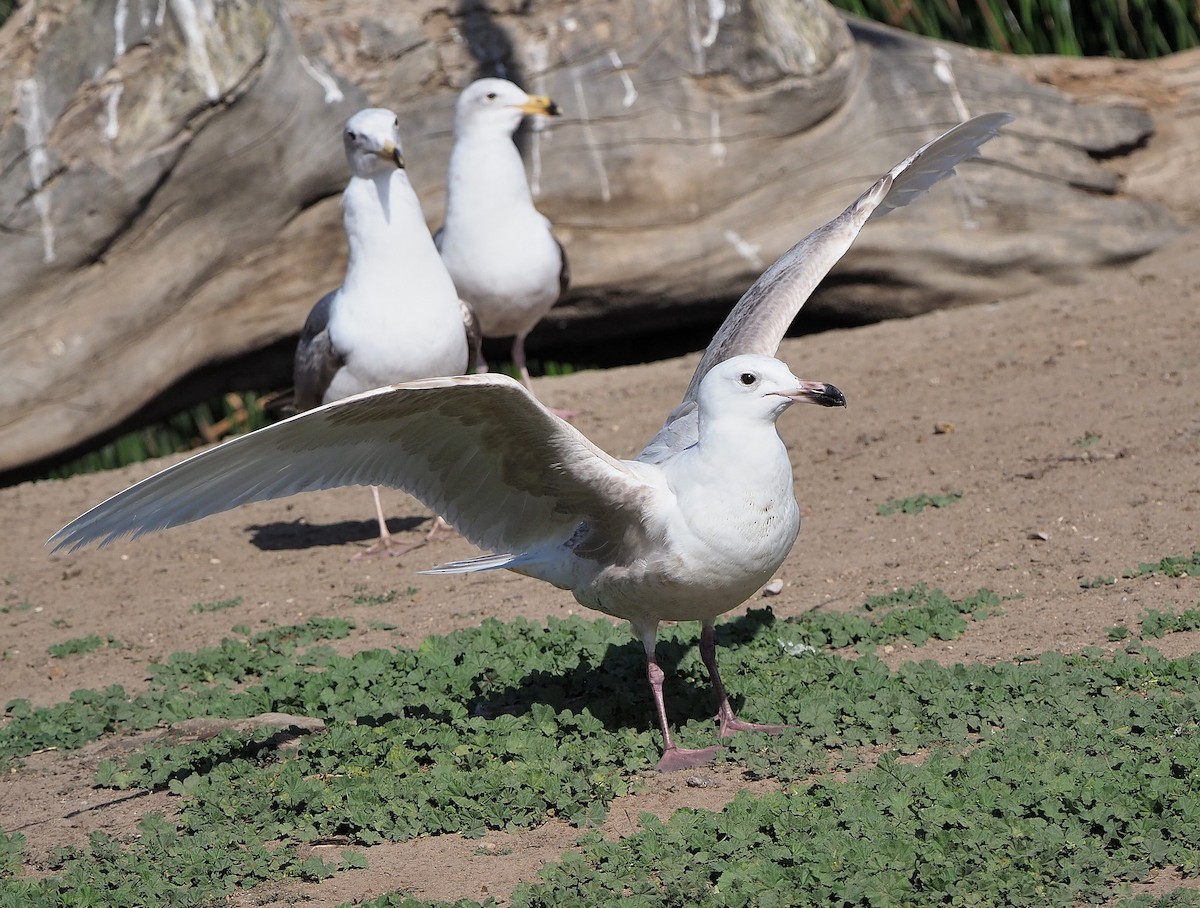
<point x="372" y="141"/>
<point x="759" y="388"/>
<point x="499" y="105"/>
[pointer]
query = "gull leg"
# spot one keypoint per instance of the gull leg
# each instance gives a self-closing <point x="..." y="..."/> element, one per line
<point x="386" y="544"/>
<point x="518" y="355"/>
<point x="728" y="721"/>
<point x="440" y="525"/>
<point x="674" y="757"/>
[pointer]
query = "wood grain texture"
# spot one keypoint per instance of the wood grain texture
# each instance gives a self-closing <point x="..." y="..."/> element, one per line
<point x="201" y="222"/>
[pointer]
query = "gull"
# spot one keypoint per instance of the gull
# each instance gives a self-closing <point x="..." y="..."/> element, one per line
<point x="397" y="315"/>
<point x="688" y="530"/>
<point x="499" y="249"/>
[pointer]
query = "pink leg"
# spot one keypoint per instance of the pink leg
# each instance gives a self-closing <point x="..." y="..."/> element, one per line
<point x="728" y="721"/>
<point x="440" y="525"/>
<point x="518" y="355"/>
<point x="386" y="544"/>
<point x="674" y="758"/>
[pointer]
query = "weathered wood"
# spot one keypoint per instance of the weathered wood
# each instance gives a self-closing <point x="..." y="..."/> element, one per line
<point x="180" y="208"/>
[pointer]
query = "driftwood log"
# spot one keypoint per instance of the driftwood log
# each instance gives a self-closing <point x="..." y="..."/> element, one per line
<point x="170" y="171"/>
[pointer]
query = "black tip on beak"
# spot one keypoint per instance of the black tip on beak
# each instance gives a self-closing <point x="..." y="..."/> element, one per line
<point x="553" y="110"/>
<point x="398" y="158"/>
<point x="829" y="396"/>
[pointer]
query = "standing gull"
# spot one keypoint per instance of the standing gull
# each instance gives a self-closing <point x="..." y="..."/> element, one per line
<point x="397" y="315"/>
<point x="687" y="531"/>
<point x="498" y="248"/>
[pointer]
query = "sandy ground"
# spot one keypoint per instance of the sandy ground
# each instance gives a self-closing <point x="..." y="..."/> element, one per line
<point x="1069" y="420"/>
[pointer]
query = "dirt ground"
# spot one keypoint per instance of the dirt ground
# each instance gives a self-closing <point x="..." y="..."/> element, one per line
<point x="1069" y="420"/>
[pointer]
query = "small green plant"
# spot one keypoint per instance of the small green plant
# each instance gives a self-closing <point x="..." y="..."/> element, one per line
<point x="1118" y="633"/>
<point x="22" y="606"/>
<point x="1087" y="440"/>
<point x="1171" y="566"/>
<point x="1157" y="623"/>
<point x="78" y="646"/>
<point x="1096" y="582"/>
<point x="215" y="606"/>
<point x="382" y="599"/>
<point x="917" y="503"/>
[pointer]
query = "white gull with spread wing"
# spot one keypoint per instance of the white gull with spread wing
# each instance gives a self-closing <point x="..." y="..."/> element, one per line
<point x="687" y="531"/>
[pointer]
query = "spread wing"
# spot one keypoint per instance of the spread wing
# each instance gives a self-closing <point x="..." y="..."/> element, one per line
<point x="761" y="317"/>
<point x="477" y="449"/>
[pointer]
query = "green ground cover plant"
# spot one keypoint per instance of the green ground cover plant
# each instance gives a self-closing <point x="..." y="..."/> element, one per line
<point x="1054" y="781"/>
<point x="1171" y="566"/>
<point x="216" y="605"/>
<point x="77" y="646"/>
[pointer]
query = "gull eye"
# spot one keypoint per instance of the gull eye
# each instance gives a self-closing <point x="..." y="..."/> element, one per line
<point x="396" y="123"/>
<point x="748" y="378"/>
<point x="351" y="135"/>
<point x="491" y="96"/>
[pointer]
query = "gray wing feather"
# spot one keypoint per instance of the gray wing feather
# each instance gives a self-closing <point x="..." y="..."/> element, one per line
<point x="564" y="273"/>
<point x="474" y="334"/>
<point x="479" y="450"/>
<point x="316" y="361"/>
<point x="761" y="317"/>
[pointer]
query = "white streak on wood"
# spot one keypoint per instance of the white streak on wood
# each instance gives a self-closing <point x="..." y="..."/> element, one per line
<point x="112" y="102"/>
<point x="961" y="187"/>
<point x="589" y="136"/>
<point x="716" y="12"/>
<point x="945" y="74"/>
<point x="744" y="248"/>
<point x="120" y="14"/>
<point x="188" y="17"/>
<point x="539" y="58"/>
<point x="714" y="132"/>
<point x="333" y="94"/>
<point x="33" y="122"/>
<point x="631" y="92"/>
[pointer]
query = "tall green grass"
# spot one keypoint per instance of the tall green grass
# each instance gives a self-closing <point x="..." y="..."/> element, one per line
<point x="205" y="423"/>
<point x="1134" y="29"/>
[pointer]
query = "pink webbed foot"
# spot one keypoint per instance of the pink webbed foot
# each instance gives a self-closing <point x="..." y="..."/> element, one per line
<point x="731" y="724"/>
<point x="568" y="415"/>
<point x="677" y="758"/>
<point x="387" y="545"/>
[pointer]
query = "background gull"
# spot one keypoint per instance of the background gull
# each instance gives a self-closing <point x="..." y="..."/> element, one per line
<point x="687" y="531"/>
<point x="397" y="315"/>
<point x="499" y="249"/>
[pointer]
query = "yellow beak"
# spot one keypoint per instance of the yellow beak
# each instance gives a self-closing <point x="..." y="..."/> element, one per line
<point x="540" y="105"/>
<point x="390" y="152"/>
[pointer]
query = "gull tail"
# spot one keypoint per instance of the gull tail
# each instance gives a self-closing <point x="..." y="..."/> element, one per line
<point x="490" y="562"/>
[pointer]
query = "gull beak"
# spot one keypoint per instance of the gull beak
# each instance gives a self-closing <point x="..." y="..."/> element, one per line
<point x="540" y="105"/>
<point x="390" y="152"/>
<point x="815" y="392"/>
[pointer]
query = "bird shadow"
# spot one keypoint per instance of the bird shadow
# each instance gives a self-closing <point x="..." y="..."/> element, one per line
<point x="296" y="534"/>
<point x="488" y="42"/>
<point x="616" y="690"/>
